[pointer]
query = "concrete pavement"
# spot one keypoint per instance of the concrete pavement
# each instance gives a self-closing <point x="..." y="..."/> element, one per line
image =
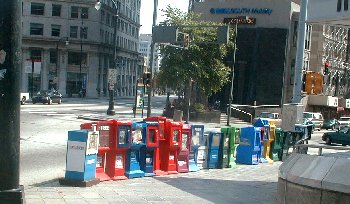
<point x="243" y="184"/>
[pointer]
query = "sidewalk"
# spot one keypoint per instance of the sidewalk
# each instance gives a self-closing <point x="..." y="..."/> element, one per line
<point x="243" y="184"/>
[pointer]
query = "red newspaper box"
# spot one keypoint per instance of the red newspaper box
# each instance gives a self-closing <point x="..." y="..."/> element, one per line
<point x="184" y="153"/>
<point x="169" y="148"/>
<point x="122" y="142"/>
<point x="106" y="144"/>
<point x="157" y="158"/>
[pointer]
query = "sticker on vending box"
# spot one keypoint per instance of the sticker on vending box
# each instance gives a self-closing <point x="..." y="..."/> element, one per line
<point x="99" y="161"/>
<point x="119" y="162"/>
<point x="148" y="160"/>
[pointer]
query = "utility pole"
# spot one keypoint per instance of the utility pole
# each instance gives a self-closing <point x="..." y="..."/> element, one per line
<point x="298" y="73"/>
<point x="232" y="76"/>
<point x="155" y="7"/>
<point x="10" y="69"/>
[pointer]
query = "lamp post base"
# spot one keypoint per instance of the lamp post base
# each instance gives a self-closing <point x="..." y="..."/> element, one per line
<point x="110" y="111"/>
<point x="15" y="196"/>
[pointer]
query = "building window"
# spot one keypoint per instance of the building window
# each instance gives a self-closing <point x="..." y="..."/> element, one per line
<point x="346" y="5"/>
<point x="101" y="35"/>
<point x="53" y="56"/>
<point x="56" y="10"/>
<point x="36" y="29"/>
<point x="35" y="54"/>
<point x="73" y="31"/>
<point x="83" y="32"/>
<point x="55" y="30"/>
<point x="37" y="9"/>
<point x="84" y="13"/>
<point x="103" y="16"/>
<point x="74" y="12"/>
<point x="74" y="58"/>
<point x="108" y="19"/>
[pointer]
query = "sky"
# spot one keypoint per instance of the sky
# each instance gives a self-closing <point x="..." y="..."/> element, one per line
<point x="146" y="17"/>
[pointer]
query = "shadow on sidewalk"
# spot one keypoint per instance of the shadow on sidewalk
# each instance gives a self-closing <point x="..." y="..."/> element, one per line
<point x="225" y="191"/>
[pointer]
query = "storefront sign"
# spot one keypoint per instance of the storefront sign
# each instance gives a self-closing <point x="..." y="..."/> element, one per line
<point x="240" y="20"/>
<point x="241" y="11"/>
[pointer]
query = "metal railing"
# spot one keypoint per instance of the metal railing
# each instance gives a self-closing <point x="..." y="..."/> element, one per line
<point x="297" y="148"/>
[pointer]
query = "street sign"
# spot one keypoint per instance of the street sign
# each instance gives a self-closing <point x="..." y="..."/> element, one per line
<point x="112" y="76"/>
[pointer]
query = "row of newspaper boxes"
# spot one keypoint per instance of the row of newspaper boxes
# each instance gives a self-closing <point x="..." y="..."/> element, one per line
<point x="114" y="150"/>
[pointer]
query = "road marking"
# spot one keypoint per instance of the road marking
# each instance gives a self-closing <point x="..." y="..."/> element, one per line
<point x="43" y="112"/>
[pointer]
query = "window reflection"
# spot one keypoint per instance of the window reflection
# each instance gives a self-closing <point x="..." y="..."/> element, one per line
<point x="176" y="136"/>
<point x="184" y="140"/>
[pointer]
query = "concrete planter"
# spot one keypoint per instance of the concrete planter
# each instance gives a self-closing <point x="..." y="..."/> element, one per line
<point x="206" y="116"/>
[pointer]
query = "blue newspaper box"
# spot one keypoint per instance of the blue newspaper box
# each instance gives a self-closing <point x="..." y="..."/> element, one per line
<point x="148" y="152"/>
<point x="265" y="136"/>
<point x="214" y="150"/>
<point x="248" y="149"/>
<point x="197" y="136"/>
<point x="133" y="155"/>
<point x="81" y="157"/>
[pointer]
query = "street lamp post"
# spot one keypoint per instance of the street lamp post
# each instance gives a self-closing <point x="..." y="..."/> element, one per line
<point x="233" y="75"/>
<point x="82" y="31"/>
<point x="149" y="97"/>
<point x="110" y="110"/>
<point x="57" y="57"/>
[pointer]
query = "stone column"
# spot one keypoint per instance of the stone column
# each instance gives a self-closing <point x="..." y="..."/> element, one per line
<point x="92" y="75"/>
<point x="45" y="66"/>
<point x="62" y="72"/>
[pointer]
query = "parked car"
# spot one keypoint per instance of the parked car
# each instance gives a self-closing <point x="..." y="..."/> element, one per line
<point x="344" y="121"/>
<point x="316" y="118"/>
<point x="331" y="124"/>
<point x="308" y="122"/>
<point x="341" y="136"/>
<point x="49" y="97"/>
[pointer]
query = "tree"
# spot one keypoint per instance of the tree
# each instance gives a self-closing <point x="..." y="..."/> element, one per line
<point x="203" y="61"/>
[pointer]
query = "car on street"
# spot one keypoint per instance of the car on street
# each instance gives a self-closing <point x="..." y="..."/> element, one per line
<point x="344" y="121"/>
<point x="341" y="136"/>
<point x="330" y="124"/>
<point x="315" y="118"/>
<point x="47" y="96"/>
<point x="308" y="122"/>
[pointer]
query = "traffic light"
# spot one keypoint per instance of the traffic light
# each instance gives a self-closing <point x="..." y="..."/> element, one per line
<point x="326" y="68"/>
<point x="186" y="40"/>
<point x="147" y="78"/>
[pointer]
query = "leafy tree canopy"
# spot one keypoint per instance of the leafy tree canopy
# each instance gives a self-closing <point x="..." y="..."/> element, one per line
<point x="203" y="61"/>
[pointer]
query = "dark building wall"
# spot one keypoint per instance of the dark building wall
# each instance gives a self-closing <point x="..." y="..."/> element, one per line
<point x="259" y="67"/>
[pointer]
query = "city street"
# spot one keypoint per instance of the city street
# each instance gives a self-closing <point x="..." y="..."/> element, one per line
<point x="44" y="131"/>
